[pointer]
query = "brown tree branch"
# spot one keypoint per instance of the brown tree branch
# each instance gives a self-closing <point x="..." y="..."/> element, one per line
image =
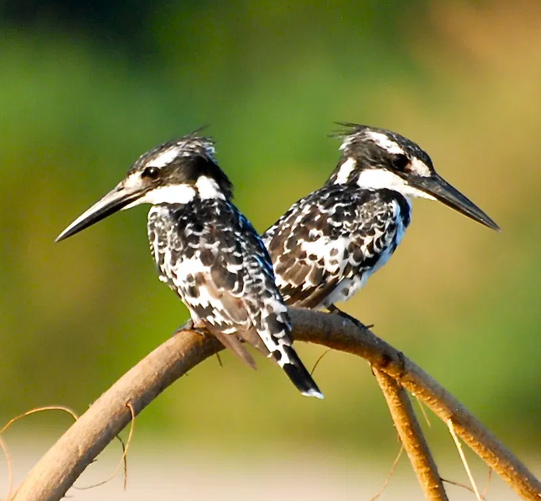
<point x="342" y="335"/>
<point x="412" y="437"/>
<point x="58" y="469"/>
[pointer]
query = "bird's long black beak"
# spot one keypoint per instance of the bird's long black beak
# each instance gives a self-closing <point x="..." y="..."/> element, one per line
<point x="440" y="189"/>
<point x="115" y="200"/>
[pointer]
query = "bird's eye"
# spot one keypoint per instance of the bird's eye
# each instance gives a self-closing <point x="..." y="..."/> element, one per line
<point x="151" y="172"/>
<point x="400" y="162"/>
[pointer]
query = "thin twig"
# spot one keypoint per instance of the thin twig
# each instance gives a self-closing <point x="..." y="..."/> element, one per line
<point x="412" y="437"/>
<point x="123" y="460"/>
<point x="390" y="476"/>
<point x="320" y="358"/>
<point x="56" y="471"/>
<point x="462" y="486"/>
<point x="489" y="477"/>
<point x="35" y="411"/>
<point x="423" y="412"/>
<point x="219" y="360"/>
<point x="4" y="448"/>
<point x="4" y="428"/>
<point x="464" y="460"/>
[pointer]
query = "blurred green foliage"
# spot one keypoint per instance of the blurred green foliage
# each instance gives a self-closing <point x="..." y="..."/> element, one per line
<point x="81" y="100"/>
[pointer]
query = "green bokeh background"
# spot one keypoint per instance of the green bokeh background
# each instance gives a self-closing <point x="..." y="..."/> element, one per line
<point x="85" y="90"/>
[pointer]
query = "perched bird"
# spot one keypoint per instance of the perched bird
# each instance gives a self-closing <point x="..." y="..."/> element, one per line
<point x="326" y="246"/>
<point x="207" y="251"/>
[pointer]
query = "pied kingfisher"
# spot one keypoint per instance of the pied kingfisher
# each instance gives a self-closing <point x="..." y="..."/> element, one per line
<point x="207" y="251"/>
<point x="326" y="246"/>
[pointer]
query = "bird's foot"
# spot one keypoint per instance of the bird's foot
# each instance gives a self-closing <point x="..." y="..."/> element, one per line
<point x="190" y="326"/>
<point x="337" y="311"/>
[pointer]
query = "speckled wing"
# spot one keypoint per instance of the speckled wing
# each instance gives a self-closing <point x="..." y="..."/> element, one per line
<point x="328" y="243"/>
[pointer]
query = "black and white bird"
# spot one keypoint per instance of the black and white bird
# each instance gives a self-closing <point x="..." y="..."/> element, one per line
<point x="207" y="251"/>
<point x="326" y="246"/>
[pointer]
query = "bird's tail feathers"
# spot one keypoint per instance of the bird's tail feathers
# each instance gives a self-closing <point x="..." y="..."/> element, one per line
<point x="283" y="353"/>
<point x="233" y="343"/>
<point x="290" y="362"/>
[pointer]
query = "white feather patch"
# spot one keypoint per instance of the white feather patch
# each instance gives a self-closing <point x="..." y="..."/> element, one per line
<point x="377" y="179"/>
<point x="345" y="171"/>
<point x="208" y="188"/>
<point x="165" y="158"/>
<point x="419" y="167"/>
<point x="384" y="142"/>
<point x="173" y="194"/>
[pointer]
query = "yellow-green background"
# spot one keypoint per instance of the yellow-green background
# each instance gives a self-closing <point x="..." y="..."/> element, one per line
<point x="85" y="90"/>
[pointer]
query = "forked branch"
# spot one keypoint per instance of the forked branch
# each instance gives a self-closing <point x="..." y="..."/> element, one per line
<point x="412" y="437"/>
<point x="58" y="469"/>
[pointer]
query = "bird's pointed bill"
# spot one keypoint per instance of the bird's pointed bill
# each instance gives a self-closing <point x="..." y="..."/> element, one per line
<point x="440" y="189"/>
<point x="118" y="198"/>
